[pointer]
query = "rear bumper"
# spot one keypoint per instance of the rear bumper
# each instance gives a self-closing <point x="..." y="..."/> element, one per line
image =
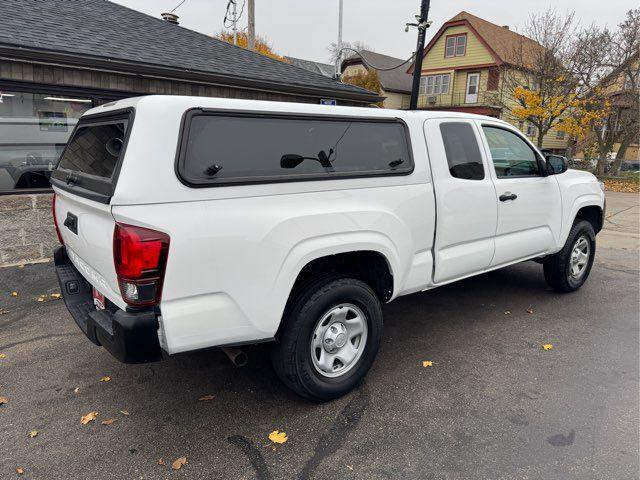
<point x="131" y="337"/>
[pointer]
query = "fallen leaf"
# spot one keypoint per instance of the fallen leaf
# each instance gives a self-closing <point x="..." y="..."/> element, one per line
<point x="161" y="461"/>
<point x="427" y="363"/>
<point x="278" y="437"/>
<point x="206" y="398"/>
<point x="33" y="433"/>
<point x="3" y="400"/>
<point x="178" y="463"/>
<point x="41" y="298"/>
<point x="21" y="265"/>
<point x="108" y="421"/>
<point x="76" y="390"/>
<point x="89" y="417"/>
<point x="19" y="470"/>
<point x="547" y="346"/>
<point x="3" y="311"/>
<point x="124" y="412"/>
<point x="349" y="467"/>
<point x="3" y="355"/>
<point x="529" y="310"/>
<point x="56" y="295"/>
<point x="507" y="312"/>
<point x="14" y="294"/>
<point x="105" y="379"/>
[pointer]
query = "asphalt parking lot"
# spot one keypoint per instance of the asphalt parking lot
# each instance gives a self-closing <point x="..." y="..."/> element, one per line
<point x="494" y="405"/>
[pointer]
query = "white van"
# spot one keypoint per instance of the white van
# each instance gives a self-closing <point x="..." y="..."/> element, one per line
<point x="191" y="222"/>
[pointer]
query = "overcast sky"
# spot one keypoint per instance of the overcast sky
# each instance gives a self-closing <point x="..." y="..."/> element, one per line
<point x="304" y="28"/>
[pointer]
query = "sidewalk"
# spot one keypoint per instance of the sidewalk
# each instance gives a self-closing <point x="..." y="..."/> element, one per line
<point x="622" y="223"/>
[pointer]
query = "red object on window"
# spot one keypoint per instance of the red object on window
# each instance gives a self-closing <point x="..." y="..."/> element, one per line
<point x="55" y="220"/>
<point x="140" y="257"/>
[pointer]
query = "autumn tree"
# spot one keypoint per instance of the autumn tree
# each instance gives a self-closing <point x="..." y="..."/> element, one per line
<point x="367" y="79"/>
<point x="262" y="45"/>
<point x="539" y="84"/>
<point x="608" y="65"/>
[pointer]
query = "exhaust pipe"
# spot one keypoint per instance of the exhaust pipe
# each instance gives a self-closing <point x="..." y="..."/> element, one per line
<point x="237" y="356"/>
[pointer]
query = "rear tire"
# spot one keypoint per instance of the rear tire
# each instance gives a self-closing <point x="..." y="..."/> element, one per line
<point x="567" y="270"/>
<point x="330" y="338"/>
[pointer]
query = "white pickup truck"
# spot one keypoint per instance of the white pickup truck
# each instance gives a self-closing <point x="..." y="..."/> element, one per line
<point x="191" y="222"/>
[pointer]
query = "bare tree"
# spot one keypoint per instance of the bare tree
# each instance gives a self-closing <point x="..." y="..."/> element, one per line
<point x="607" y="64"/>
<point x="538" y="86"/>
<point x="335" y="53"/>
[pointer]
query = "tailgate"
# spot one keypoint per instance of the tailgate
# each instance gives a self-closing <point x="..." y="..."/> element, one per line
<point x="86" y="227"/>
<point x="84" y="182"/>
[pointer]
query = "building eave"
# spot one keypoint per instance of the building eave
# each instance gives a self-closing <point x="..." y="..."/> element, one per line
<point x="178" y="74"/>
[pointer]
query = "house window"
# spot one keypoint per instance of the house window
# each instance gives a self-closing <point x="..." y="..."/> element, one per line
<point x="560" y="135"/>
<point x="34" y="128"/>
<point x="434" y="84"/>
<point x="456" y="45"/>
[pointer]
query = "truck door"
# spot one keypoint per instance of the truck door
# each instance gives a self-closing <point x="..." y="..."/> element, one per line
<point x="465" y="199"/>
<point x="529" y="203"/>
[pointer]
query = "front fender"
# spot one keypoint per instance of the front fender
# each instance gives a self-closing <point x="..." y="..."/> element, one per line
<point x="583" y="200"/>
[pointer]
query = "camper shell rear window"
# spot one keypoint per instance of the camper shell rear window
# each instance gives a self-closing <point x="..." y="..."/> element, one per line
<point x="90" y="162"/>
<point x="229" y="148"/>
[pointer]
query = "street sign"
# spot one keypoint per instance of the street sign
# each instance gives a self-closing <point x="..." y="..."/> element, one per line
<point x="327" y="101"/>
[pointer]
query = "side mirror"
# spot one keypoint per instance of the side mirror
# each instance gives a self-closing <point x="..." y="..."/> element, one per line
<point x="291" y="160"/>
<point x="556" y="164"/>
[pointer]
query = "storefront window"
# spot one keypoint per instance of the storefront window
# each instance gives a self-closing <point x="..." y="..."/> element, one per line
<point x="34" y="128"/>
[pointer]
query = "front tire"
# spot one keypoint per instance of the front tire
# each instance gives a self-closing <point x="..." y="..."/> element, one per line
<point x="567" y="270"/>
<point x="330" y="338"/>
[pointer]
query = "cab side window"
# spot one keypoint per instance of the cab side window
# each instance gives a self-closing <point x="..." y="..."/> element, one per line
<point x="511" y="155"/>
<point x="461" y="148"/>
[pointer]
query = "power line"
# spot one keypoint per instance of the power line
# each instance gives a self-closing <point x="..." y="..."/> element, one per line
<point x="176" y="7"/>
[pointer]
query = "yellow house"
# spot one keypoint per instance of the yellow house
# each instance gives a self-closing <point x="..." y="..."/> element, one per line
<point x="464" y="69"/>
<point x="396" y="82"/>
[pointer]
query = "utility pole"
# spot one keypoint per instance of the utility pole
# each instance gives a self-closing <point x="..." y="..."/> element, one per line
<point x="235" y="22"/>
<point x="251" y="25"/>
<point x="339" y="59"/>
<point x="422" y="25"/>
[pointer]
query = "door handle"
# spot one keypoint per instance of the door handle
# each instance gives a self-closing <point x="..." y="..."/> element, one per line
<point x="507" y="196"/>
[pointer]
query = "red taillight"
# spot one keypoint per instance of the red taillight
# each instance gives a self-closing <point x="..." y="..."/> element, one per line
<point x="55" y="220"/>
<point x="140" y="257"/>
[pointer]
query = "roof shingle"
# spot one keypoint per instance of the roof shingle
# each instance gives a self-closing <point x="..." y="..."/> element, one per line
<point x="396" y="80"/>
<point x="100" y="29"/>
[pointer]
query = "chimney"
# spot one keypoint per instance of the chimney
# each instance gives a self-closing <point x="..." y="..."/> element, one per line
<point x="505" y="26"/>
<point x="170" y="17"/>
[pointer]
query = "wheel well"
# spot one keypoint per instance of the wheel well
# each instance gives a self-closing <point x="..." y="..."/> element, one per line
<point x="593" y="215"/>
<point x="368" y="266"/>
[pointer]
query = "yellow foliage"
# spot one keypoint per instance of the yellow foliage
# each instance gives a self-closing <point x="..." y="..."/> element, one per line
<point x="367" y="79"/>
<point x="261" y="44"/>
<point x="278" y="437"/>
<point x="576" y="116"/>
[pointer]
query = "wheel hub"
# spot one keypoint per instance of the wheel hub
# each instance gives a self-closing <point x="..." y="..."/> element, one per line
<point x="334" y="337"/>
<point x="579" y="257"/>
<point x="338" y="340"/>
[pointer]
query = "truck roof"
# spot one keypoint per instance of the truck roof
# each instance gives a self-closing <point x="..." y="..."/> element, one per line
<point x="182" y="103"/>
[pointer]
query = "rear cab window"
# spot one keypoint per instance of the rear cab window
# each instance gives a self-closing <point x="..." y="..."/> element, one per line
<point x="462" y="151"/>
<point x="90" y="162"/>
<point x="235" y="148"/>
